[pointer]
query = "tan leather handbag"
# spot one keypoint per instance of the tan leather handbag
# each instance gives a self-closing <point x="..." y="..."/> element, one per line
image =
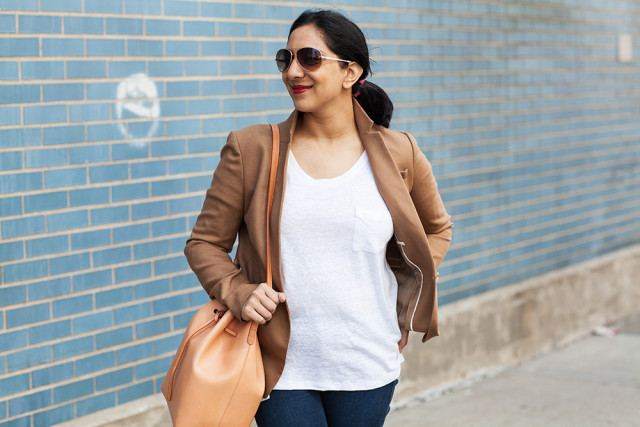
<point x="216" y="377"/>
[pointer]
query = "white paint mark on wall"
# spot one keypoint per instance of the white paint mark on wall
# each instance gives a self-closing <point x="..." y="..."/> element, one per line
<point x="137" y="98"/>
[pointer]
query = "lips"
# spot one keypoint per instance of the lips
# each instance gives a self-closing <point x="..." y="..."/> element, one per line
<point x="300" y="88"/>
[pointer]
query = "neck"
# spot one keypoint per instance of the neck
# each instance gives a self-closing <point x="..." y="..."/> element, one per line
<point x="328" y="125"/>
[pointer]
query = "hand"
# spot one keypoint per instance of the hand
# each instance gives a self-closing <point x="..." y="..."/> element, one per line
<point x="404" y="339"/>
<point x="261" y="304"/>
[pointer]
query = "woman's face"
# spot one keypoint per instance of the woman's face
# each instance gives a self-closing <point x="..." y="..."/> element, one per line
<point x="319" y="90"/>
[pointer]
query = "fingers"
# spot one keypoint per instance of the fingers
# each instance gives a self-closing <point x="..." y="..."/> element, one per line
<point x="261" y="304"/>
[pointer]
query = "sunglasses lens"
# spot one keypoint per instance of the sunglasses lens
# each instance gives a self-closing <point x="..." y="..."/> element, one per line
<point x="309" y="58"/>
<point x="283" y="60"/>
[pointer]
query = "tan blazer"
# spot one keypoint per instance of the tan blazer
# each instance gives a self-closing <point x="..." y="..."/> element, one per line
<point x="235" y="205"/>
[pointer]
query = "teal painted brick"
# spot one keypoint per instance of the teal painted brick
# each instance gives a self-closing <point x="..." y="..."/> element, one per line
<point x="92" y="280"/>
<point x="109" y="215"/>
<point x="129" y="151"/>
<point x="10" y="252"/>
<point x="95" y="363"/>
<point x="90" y="196"/>
<point x="250" y="86"/>
<point x="114" y="297"/>
<point x="14" y="384"/>
<point x="45" y="114"/>
<point x="96" y="91"/>
<point x="199" y="28"/>
<point x="61" y="5"/>
<point x="216" y="48"/>
<point x="9" y="70"/>
<point x="63" y="135"/>
<point x="10" y="46"/>
<point x="47" y="245"/>
<point x="153" y="327"/>
<point x="24" y="271"/>
<point x="19" y="94"/>
<point x="154" y="367"/>
<point x="92" y="322"/>
<point x="104" y="132"/>
<point x="53" y="416"/>
<point x="180" y="8"/>
<point x="217" y="87"/>
<point x="132" y="272"/>
<point x="13" y="340"/>
<point x="27" y="358"/>
<point x="115" y="337"/>
<point x="215" y="10"/>
<point x="86" y="69"/>
<point x="145" y="48"/>
<point x="135" y="392"/>
<point x="105" y="47"/>
<point x="96" y="403"/>
<point x="62" y="47"/>
<point x="11" y="206"/>
<point x="46" y="158"/>
<point x="233" y="29"/>
<point x="72" y="348"/>
<point x="231" y="67"/>
<point x="168" y="148"/>
<point x="184" y="281"/>
<point x="167" y="305"/>
<point x="101" y="6"/>
<point x="133" y="353"/>
<point x="114" y="379"/>
<point x="132" y="313"/>
<point x="189" y="88"/>
<point x="168" y="187"/>
<point x="37" y="400"/>
<point x="130" y="233"/>
<point x="170" y="265"/>
<point x="72" y="391"/>
<point x="248" y="10"/>
<point x="168" y="226"/>
<point x="39" y="24"/>
<point x="62" y="92"/>
<point x="111" y="256"/>
<point x="199" y="183"/>
<point x="46" y="201"/>
<point x="143" y="7"/>
<point x="22" y="226"/>
<point x="49" y="288"/>
<point x="187" y="165"/>
<point x="130" y="191"/>
<point x="90" y="239"/>
<point x="108" y="173"/>
<point x="162" y="27"/>
<point x="148" y="210"/>
<point x="166" y="68"/>
<point x="88" y="154"/>
<point x="83" y="25"/>
<point x="69" y="263"/>
<point x="126" y="68"/>
<point x="67" y="221"/>
<point x="53" y="374"/>
<point x="182" y="48"/>
<point x="49" y="331"/>
<point x="183" y="127"/>
<point x="125" y="26"/>
<point x="72" y="305"/>
<point x="169" y="344"/>
<point x="11" y="160"/>
<point x="153" y="288"/>
<point x="248" y="48"/>
<point x="18" y="4"/>
<point x="202" y="68"/>
<point x="197" y="299"/>
<point x="65" y="177"/>
<point x="9" y="115"/>
<point x="150" y="249"/>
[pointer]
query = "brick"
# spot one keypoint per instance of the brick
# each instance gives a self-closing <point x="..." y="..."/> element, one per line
<point x="143" y="7"/>
<point x="248" y="49"/>
<point x="53" y="374"/>
<point x="72" y="347"/>
<point x="15" y="384"/>
<point x="184" y="281"/>
<point x="19" y="47"/>
<point x="39" y="24"/>
<point x="49" y="288"/>
<point x="166" y="68"/>
<point x="111" y="256"/>
<point x="105" y="47"/>
<point x="92" y="322"/>
<point x="72" y="305"/>
<point x="133" y="353"/>
<point x="88" y="154"/>
<point x="180" y="8"/>
<point x="154" y="367"/>
<point x="11" y="160"/>
<point x="9" y="70"/>
<point x="150" y="249"/>
<point x="65" y="177"/>
<point x="153" y="288"/>
<point x="132" y="272"/>
<point x="125" y="26"/>
<point x="101" y="6"/>
<point x="108" y="173"/>
<point x="199" y="28"/>
<point x="132" y="313"/>
<point x="20" y="405"/>
<point x="126" y="68"/>
<point x="168" y="148"/>
<point x="215" y="10"/>
<point x="198" y="298"/>
<point x="129" y="151"/>
<point x="62" y="92"/>
<point x="148" y="210"/>
<point x="22" y="226"/>
<point x="167" y="305"/>
<point x="182" y="48"/>
<point x="83" y="25"/>
<point x="135" y="392"/>
<point x="49" y="331"/>
<point x="10" y="252"/>
<point x="216" y="48"/>
<point x="96" y="91"/>
<point x="183" y="127"/>
<point x="69" y="263"/>
<point x="25" y="271"/>
<point x="199" y="183"/>
<point x="72" y="391"/>
<point x="233" y="29"/>
<point x="153" y="327"/>
<point x="114" y="297"/>
<point x="169" y="226"/>
<point x="134" y="191"/>
<point x="67" y="221"/>
<point x="130" y="233"/>
<point x="64" y="134"/>
<point x="46" y="157"/>
<point x="109" y="215"/>
<point x="168" y="187"/>
<point x="95" y="363"/>
<point x="28" y="358"/>
<point x="86" y="69"/>
<point x="61" y="5"/>
<point x="19" y="5"/>
<point x="92" y="280"/>
<point x="45" y="114"/>
<point x="18" y="94"/>
<point x="202" y="67"/>
<point x="9" y="115"/>
<point x="53" y="416"/>
<point x="12" y="340"/>
<point x="90" y="112"/>
<point x="45" y="201"/>
<point x="114" y="379"/>
<point x="115" y="337"/>
<point x="47" y="245"/>
<point x="148" y="169"/>
<point x="162" y="27"/>
<point x="90" y="239"/>
<point x="204" y="106"/>
<point x="145" y="48"/>
<point x="10" y="206"/>
<point x="168" y="344"/>
<point x="106" y="132"/>
<point x="96" y="403"/>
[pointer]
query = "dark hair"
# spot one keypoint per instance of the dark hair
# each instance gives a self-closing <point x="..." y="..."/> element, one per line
<point x="347" y="41"/>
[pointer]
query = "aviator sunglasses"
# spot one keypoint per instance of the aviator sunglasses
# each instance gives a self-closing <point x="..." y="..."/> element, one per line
<point x="309" y="59"/>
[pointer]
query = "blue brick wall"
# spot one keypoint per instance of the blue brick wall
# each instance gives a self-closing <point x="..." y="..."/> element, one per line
<point x="529" y="120"/>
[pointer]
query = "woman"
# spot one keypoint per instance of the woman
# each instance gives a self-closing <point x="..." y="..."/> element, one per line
<point x="358" y="231"/>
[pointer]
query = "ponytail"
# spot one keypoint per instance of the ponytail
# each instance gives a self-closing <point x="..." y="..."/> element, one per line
<point x="374" y="101"/>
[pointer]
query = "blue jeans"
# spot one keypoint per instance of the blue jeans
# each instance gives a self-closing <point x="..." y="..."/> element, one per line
<point x="313" y="408"/>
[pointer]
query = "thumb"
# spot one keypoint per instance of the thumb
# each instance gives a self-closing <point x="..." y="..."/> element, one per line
<point x="281" y="297"/>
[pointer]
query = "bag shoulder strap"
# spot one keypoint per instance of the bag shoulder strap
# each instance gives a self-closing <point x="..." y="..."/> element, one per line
<point x="275" y="151"/>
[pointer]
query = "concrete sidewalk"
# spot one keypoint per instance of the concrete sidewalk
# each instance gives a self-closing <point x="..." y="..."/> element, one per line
<point x="592" y="382"/>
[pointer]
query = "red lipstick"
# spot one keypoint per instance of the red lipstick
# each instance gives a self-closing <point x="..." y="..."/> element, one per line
<point x="300" y="88"/>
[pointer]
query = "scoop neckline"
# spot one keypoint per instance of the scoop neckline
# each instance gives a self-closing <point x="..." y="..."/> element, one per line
<point x="336" y="179"/>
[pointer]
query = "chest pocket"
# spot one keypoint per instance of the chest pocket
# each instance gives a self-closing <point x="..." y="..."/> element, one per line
<point x="372" y="230"/>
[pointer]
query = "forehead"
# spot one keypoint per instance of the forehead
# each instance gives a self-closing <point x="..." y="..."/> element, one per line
<point x="306" y="36"/>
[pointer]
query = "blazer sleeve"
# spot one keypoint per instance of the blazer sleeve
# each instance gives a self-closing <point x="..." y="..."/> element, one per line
<point x="426" y="198"/>
<point x="215" y="230"/>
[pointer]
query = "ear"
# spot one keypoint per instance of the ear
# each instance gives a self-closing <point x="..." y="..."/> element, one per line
<point x="354" y="70"/>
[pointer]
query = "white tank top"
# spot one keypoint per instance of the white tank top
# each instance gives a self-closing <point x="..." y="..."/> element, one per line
<point x="340" y="289"/>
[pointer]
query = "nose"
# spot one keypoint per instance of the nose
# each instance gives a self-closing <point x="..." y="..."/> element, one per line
<point x="295" y="70"/>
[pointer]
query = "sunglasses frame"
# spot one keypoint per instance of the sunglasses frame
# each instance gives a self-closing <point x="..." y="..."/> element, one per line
<point x="295" y="56"/>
